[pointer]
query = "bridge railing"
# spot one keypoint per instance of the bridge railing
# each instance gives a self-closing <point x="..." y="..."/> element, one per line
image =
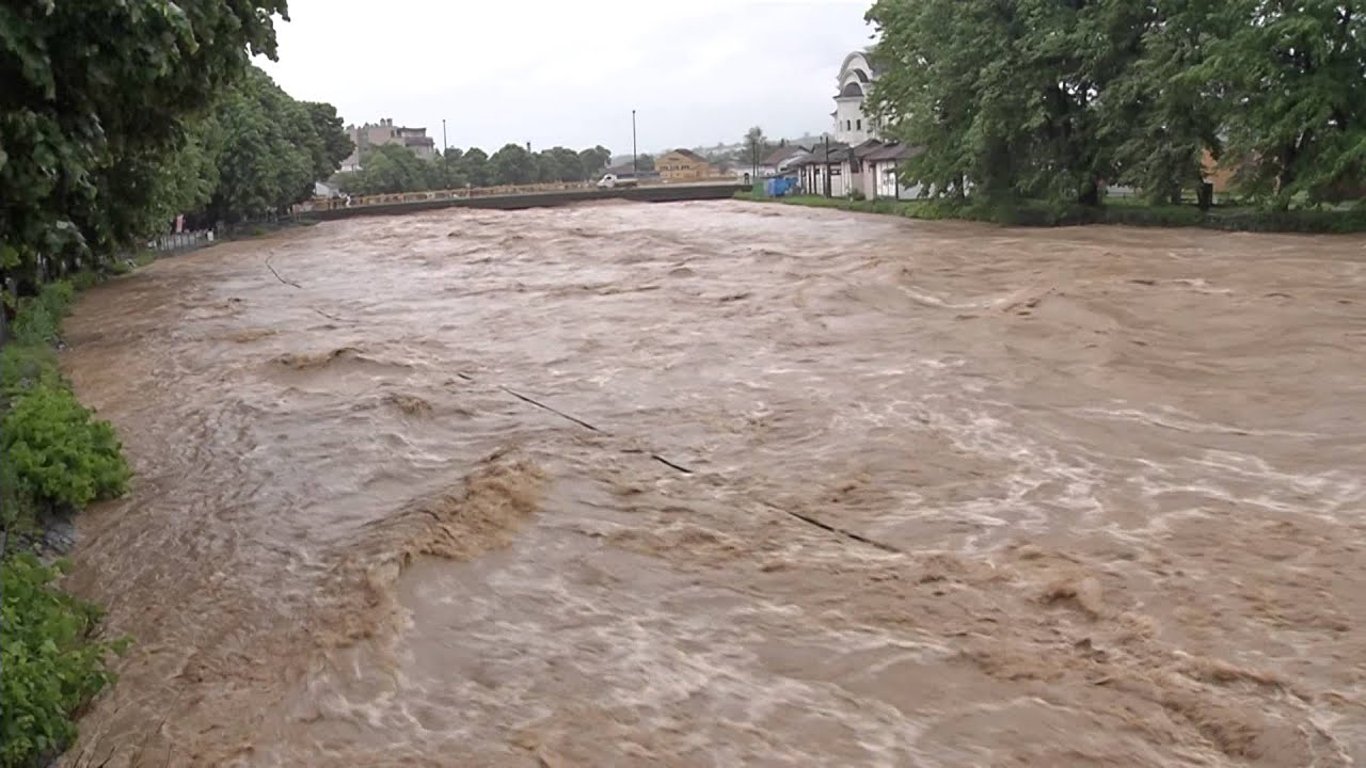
<point x="325" y="204"/>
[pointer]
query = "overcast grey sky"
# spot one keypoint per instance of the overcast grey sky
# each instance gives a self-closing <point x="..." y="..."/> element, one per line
<point x="569" y="73"/>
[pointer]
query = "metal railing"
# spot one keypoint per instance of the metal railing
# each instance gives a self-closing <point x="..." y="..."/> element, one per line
<point x="181" y="241"/>
<point x="327" y="204"/>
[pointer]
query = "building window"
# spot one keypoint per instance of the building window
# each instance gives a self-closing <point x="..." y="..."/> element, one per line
<point x="858" y="124"/>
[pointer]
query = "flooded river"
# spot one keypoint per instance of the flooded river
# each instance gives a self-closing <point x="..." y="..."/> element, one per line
<point x="726" y="484"/>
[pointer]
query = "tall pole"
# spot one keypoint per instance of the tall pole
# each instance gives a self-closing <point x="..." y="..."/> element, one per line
<point x="444" y="144"/>
<point x="827" y="165"/>
<point x="635" y="168"/>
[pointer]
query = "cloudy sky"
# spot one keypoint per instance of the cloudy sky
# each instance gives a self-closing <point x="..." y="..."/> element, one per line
<point x="552" y="72"/>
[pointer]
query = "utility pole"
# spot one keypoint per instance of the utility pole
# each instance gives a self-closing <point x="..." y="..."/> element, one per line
<point x="444" y="144"/>
<point x="635" y="167"/>
<point x="827" y="165"/>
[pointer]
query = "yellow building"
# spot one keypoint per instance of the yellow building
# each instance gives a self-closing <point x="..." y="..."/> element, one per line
<point x="683" y="165"/>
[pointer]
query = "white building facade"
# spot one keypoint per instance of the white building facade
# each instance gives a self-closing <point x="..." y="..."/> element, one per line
<point x="852" y="125"/>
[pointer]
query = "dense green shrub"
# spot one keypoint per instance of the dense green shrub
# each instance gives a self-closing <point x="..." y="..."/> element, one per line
<point x="35" y="325"/>
<point x="19" y="513"/>
<point x="53" y="454"/>
<point x="24" y="366"/>
<point x="57" y="297"/>
<point x="51" y="665"/>
<point x="38" y="319"/>
<point x="84" y="280"/>
<point x="61" y="456"/>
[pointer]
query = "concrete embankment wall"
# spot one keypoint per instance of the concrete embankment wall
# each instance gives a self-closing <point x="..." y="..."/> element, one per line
<point x="653" y="194"/>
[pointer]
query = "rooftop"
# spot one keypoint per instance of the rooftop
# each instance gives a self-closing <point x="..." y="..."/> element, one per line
<point x="780" y="154"/>
<point x="688" y="153"/>
<point x="894" y="151"/>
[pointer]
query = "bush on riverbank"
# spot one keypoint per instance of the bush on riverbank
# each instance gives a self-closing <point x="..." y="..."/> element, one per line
<point x="57" y="458"/>
<point x="1041" y="214"/>
<point x="51" y="665"/>
<point x="60" y="456"/>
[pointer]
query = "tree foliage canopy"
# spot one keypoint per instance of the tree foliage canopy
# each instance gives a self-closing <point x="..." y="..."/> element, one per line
<point x="1053" y="99"/>
<point x="88" y="116"/>
<point x="594" y="161"/>
<point x="513" y="164"/>
<point x="268" y="149"/>
<point x="391" y="168"/>
<point x="388" y="169"/>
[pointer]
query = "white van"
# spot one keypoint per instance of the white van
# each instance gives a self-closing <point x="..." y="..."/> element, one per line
<point x="612" y="181"/>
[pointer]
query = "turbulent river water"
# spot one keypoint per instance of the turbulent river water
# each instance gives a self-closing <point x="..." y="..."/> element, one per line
<point x="726" y="484"/>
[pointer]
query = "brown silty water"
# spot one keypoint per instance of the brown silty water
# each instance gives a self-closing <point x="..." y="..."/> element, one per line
<point x="816" y="489"/>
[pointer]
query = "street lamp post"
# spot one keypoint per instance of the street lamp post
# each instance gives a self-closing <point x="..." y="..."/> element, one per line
<point x="444" y="144"/>
<point x="635" y="167"/>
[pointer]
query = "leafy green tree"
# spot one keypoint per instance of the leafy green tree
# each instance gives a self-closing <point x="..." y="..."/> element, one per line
<point x="545" y="166"/>
<point x="95" y="96"/>
<point x="476" y="167"/>
<point x="513" y="164"/>
<point x="332" y="144"/>
<point x="1296" y="72"/>
<point x="645" y="163"/>
<point x="560" y="164"/>
<point x="1161" y="111"/>
<point x="258" y="152"/>
<point x="937" y="58"/>
<point x="1047" y="99"/>
<point x="594" y="160"/>
<point x="1001" y="95"/>
<point x="757" y="146"/>
<point x="391" y="169"/>
<point x="266" y="156"/>
<point x="452" y="168"/>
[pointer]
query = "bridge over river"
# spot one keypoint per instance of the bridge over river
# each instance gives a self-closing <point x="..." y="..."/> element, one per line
<point x="519" y="198"/>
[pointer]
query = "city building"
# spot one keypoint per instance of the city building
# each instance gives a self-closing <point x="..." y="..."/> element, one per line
<point x="384" y="132"/>
<point x="852" y="124"/>
<point x="683" y="165"/>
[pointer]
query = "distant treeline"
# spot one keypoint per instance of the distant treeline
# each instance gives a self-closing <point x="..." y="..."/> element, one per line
<point x="390" y="168"/>
<point x="1052" y="99"/>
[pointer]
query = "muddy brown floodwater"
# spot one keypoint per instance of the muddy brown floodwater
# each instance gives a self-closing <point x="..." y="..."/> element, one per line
<point x="726" y="484"/>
